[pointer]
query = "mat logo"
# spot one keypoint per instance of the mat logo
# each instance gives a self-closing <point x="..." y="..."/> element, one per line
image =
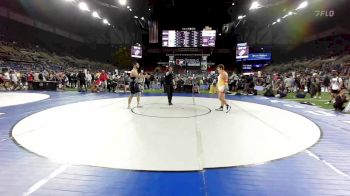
<point x="325" y="13"/>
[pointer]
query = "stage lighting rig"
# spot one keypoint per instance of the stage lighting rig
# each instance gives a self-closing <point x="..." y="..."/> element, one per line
<point x="255" y="5"/>
<point x="122" y="2"/>
<point x="83" y="6"/>
<point x="96" y="15"/>
<point x="302" y="5"/>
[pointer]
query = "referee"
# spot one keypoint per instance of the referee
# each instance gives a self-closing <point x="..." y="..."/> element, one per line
<point x="169" y="84"/>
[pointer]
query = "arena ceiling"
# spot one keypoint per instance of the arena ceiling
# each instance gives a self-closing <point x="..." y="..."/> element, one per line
<point x="184" y="13"/>
<point x="176" y="14"/>
<point x="66" y="16"/>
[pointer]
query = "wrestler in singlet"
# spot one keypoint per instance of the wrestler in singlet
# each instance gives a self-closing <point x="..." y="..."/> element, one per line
<point x="134" y="85"/>
<point x="222" y="83"/>
<point x="222" y="88"/>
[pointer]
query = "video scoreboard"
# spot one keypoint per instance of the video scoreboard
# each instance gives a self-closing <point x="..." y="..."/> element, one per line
<point x="188" y="38"/>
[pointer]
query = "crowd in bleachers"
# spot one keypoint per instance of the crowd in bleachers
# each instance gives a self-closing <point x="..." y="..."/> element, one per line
<point x="25" y="57"/>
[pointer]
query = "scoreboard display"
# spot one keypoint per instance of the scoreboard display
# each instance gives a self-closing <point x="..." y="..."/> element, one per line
<point x="185" y="39"/>
<point x="136" y="52"/>
<point x="242" y="51"/>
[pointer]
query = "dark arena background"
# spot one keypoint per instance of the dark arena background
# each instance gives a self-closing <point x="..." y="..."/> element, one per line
<point x="174" y="97"/>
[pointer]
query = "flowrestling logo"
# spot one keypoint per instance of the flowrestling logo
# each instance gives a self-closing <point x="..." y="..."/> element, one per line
<point x="325" y="13"/>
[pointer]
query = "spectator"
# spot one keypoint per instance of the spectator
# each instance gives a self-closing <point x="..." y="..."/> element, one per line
<point x="269" y="91"/>
<point x="103" y="78"/>
<point x="148" y="81"/>
<point x="313" y="85"/>
<point x="88" y="79"/>
<point x="81" y="77"/>
<point x="318" y="86"/>
<point x="336" y="84"/>
<point x="326" y="83"/>
<point x="14" y="80"/>
<point x="340" y="100"/>
<point x="347" y="83"/>
<point x="289" y="83"/>
<point x="281" y="91"/>
<point x="300" y="94"/>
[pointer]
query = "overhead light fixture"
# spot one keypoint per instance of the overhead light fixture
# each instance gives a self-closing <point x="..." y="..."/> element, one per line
<point x="279" y="20"/>
<point x="122" y="2"/>
<point x="274" y="23"/>
<point x="136" y="17"/>
<point x="290" y="13"/>
<point x="302" y="5"/>
<point x="105" y="21"/>
<point x="130" y="10"/>
<point x="128" y="7"/>
<point x="96" y="15"/>
<point x="142" y="18"/>
<point x="241" y="17"/>
<point x="149" y="9"/>
<point x="233" y="3"/>
<point x="83" y="6"/>
<point x="255" y="5"/>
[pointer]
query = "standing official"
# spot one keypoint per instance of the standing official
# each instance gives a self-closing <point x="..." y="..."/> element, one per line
<point x="169" y="84"/>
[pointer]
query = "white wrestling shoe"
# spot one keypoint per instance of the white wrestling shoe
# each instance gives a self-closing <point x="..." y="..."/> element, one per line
<point x="219" y="109"/>
<point x="228" y="108"/>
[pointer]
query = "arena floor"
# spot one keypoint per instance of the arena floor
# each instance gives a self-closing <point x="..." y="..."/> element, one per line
<point x="67" y="143"/>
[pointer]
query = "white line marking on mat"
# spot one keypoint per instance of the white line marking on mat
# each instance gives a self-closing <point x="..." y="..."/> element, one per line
<point x="328" y="164"/>
<point x="44" y="181"/>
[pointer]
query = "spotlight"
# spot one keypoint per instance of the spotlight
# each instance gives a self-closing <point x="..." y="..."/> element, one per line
<point x="302" y="5"/>
<point x="69" y="0"/>
<point x="130" y="10"/>
<point x="142" y="18"/>
<point x="279" y="20"/>
<point x="122" y="2"/>
<point x="255" y="5"/>
<point x="233" y="3"/>
<point x="128" y="7"/>
<point x="83" y="6"/>
<point x="96" y="15"/>
<point x="241" y="17"/>
<point x="105" y="21"/>
<point x="136" y="17"/>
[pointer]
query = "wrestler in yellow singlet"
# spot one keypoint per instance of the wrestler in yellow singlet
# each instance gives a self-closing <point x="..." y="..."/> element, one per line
<point x="222" y="83"/>
<point x="222" y="87"/>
